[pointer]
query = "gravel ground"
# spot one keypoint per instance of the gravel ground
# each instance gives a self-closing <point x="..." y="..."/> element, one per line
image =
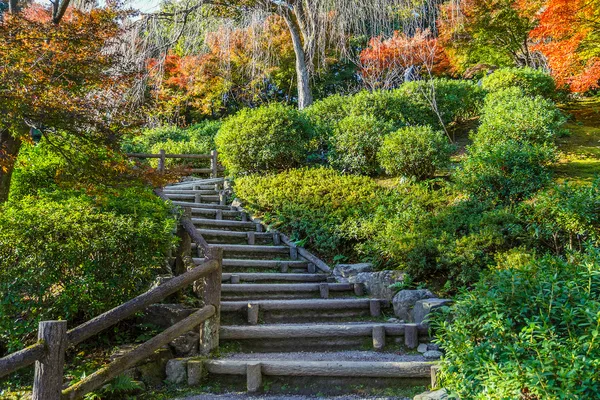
<point x="236" y="396"/>
<point x="327" y="356"/>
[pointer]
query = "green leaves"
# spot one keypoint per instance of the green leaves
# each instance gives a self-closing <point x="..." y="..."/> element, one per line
<point x="529" y="329"/>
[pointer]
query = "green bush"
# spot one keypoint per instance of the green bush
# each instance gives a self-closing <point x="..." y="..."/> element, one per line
<point x="565" y="217"/>
<point x="324" y="115"/>
<point x="455" y="100"/>
<point x="415" y="151"/>
<point x="35" y="171"/>
<point x="509" y="115"/>
<point x="310" y="204"/>
<point x="74" y="257"/>
<point x="356" y="142"/>
<point x="533" y="82"/>
<point x="200" y="137"/>
<point x="392" y="107"/>
<point x="269" y="138"/>
<point x="508" y="171"/>
<point x="527" y="330"/>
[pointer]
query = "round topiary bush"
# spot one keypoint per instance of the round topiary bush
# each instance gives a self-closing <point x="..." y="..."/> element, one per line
<point x="417" y="151"/>
<point x="356" y="142"/>
<point x="269" y="138"/>
<point x="533" y="82"/>
<point x="510" y="115"/>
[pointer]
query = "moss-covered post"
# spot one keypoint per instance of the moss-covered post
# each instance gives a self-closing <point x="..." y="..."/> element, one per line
<point x="161" y="161"/>
<point x="48" y="379"/>
<point x="213" y="164"/>
<point x="209" y="330"/>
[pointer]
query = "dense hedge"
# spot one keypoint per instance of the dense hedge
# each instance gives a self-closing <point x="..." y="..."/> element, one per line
<point x="356" y="142"/>
<point x="310" y="204"/>
<point x="454" y="99"/>
<point x="533" y="82"/>
<point x="417" y="151"/>
<point x="72" y="257"/>
<point x="511" y="115"/>
<point x="529" y="329"/>
<point x="265" y="139"/>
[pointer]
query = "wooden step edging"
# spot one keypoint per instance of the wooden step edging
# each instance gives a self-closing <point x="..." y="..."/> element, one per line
<point x="259" y="277"/>
<point x="377" y="331"/>
<point x="323" y="288"/>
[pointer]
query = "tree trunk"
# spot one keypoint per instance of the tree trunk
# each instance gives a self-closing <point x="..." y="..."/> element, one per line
<point x="9" y="150"/>
<point x="305" y="97"/>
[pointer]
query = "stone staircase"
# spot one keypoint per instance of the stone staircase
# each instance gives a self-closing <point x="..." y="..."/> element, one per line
<point x="285" y="321"/>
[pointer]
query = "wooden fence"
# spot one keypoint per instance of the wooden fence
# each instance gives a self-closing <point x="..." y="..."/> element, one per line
<point x="54" y="339"/>
<point x="162" y="157"/>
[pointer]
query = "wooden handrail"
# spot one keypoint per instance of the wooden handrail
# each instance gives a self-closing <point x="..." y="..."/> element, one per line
<point x="188" y="225"/>
<point x="100" y="377"/>
<point x="162" y="156"/>
<point x="21" y="359"/>
<point x="117" y="314"/>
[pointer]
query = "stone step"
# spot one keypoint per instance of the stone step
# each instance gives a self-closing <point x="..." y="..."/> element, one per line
<point x="247" y="250"/>
<point x="217" y="213"/>
<point x="226" y="224"/>
<point x="298" y="311"/>
<point x="236" y="237"/>
<point x="281" y="265"/>
<point x="294" y="367"/>
<point x="192" y="197"/>
<point x="322" y="337"/>
<point x="268" y="291"/>
<point x="277" y="277"/>
<point x="212" y="191"/>
<point x="202" y="205"/>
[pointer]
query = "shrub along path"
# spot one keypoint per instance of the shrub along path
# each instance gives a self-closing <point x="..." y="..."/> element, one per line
<point x="286" y="325"/>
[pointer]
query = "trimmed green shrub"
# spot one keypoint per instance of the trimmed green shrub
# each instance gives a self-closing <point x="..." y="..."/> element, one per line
<point x="35" y="171"/>
<point x="269" y="138"/>
<point x="415" y="151"/>
<point x="310" y="204"/>
<point x="566" y="217"/>
<point x="509" y="115"/>
<point x="533" y="82"/>
<point x="527" y="330"/>
<point x="324" y="115"/>
<point x="356" y="142"/>
<point x="200" y="137"/>
<point x="74" y="257"/>
<point x="392" y="107"/>
<point x="455" y="100"/>
<point x="508" y="171"/>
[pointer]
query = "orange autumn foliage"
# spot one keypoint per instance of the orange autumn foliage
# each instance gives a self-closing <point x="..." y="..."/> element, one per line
<point x="567" y="35"/>
<point x="384" y="61"/>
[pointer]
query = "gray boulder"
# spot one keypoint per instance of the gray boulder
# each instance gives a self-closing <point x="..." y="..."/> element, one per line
<point x="344" y="271"/>
<point x="436" y="395"/>
<point x="166" y="315"/>
<point x="176" y="370"/>
<point x="405" y="300"/>
<point x="423" y="307"/>
<point x="378" y="284"/>
<point x="186" y="345"/>
<point x="432" y="355"/>
<point x="422" y="348"/>
<point x="152" y="370"/>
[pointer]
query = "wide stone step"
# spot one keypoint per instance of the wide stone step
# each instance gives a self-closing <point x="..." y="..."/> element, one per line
<point x="247" y="249"/>
<point x="236" y="237"/>
<point x="276" y="277"/>
<point x="303" y="368"/>
<point x="322" y="337"/>
<point x="212" y="191"/>
<point x="225" y="224"/>
<point x="192" y="197"/>
<point x="217" y="213"/>
<point x="201" y="205"/>
<point x="260" y="291"/>
<point x="299" y="310"/>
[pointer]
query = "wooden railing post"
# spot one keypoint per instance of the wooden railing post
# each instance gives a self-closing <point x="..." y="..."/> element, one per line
<point x="184" y="248"/>
<point x="161" y="161"/>
<point x="209" y="330"/>
<point x="214" y="164"/>
<point x="48" y="380"/>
